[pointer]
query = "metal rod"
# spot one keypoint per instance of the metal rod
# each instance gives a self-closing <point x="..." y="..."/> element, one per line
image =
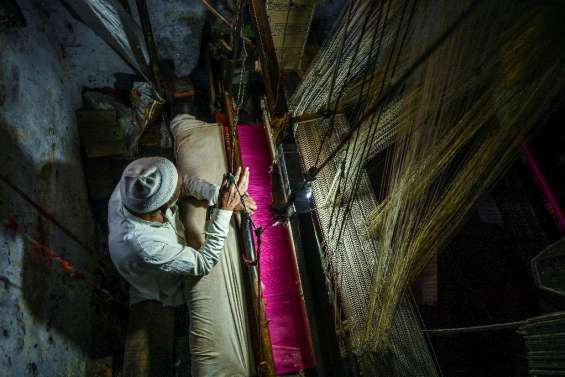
<point x="459" y="330"/>
<point x="557" y="316"/>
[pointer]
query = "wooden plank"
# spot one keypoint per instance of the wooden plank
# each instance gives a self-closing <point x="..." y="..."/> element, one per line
<point x="290" y="23"/>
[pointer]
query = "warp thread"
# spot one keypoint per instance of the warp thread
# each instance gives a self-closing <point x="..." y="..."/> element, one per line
<point x="285" y="309"/>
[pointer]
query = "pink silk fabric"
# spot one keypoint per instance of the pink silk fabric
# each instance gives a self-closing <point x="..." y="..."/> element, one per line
<point x="288" y="324"/>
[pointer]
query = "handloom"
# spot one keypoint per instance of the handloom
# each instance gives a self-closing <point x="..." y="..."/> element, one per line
<point x="451" y="90"/>
<point x="348" y="264"/>
<point x="284" y="301"/>
<point x="219" y="333"/>
<point x="289" y="22"/>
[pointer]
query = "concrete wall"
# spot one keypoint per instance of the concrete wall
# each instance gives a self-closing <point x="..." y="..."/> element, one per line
<point x="178" y="30"/>
<point x="45" y="320"/>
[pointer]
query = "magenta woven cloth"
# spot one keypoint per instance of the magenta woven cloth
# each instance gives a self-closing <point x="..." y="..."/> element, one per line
<point x="292" y="349"/>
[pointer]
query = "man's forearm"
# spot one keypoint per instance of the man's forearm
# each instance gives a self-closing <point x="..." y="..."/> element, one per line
<point x="217" y="230"/>
<point x="216" y="234"/>
<point x="189" y="261"/>
<point x="200" y="189"/>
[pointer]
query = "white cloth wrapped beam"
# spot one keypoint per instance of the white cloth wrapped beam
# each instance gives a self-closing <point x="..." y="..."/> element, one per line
<point x="219" y="333"/>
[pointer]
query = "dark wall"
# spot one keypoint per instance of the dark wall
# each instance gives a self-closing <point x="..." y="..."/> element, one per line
<point x="47" y="316"/>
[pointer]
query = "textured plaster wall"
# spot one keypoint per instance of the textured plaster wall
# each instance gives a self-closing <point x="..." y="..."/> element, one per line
<point x="45" y="320"/>
<point x="45" y="316"/>
<point x="177" y="26"/>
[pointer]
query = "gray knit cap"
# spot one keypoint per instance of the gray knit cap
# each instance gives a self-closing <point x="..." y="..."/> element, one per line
<point x="148" y="183"/>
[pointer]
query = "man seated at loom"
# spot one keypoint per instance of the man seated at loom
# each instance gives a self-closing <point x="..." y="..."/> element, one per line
<point x="146" y="240"/>
<point x="150" y="249"/>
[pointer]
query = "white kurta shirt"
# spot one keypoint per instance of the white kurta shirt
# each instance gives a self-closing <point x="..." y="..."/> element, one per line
<point x="153" y="257"/>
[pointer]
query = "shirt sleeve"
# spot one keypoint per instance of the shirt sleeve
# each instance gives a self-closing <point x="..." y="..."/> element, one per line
<point x="185" y="260"/>
<point x="200" y="189"/>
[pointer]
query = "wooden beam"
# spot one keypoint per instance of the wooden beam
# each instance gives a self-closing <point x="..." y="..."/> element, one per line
<point x="258" y="321"/>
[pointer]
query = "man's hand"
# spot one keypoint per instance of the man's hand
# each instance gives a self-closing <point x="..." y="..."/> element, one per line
<point x="246" y="202"/>
<point x="250" y="204"/>
<point x="229" y="197"/>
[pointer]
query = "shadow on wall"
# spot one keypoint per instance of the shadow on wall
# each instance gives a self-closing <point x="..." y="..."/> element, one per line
<point x="47" y="314"/>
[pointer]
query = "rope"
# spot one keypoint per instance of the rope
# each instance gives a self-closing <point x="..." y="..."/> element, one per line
<point x="46" y="214"/>
<point x="66" y="265"/>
